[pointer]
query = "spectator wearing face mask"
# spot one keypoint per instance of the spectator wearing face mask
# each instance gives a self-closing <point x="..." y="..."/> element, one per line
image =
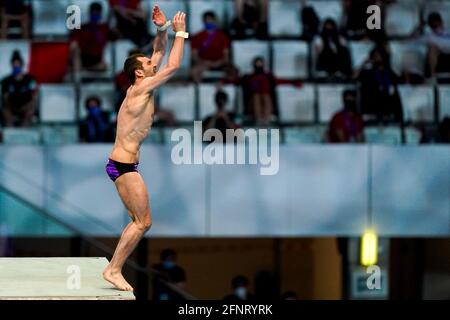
<point x="241" y="292"/>
<point x="347" y="125"/>
<point x="333" y="56"/>
<point x="251" y="19"/>
<point x="19" y="94"/>
<point x="210" y="48"/>
<point x="221" y="119"/>
<point x="96" y="126"/>
<point x="87" y="44"/>
<point x="171" y="272"/>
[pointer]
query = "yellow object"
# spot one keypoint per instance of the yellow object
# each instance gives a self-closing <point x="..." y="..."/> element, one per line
<point x="369" y="248"/>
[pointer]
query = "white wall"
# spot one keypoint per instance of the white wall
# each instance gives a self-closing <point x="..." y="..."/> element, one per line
<point x="319" y="190"/>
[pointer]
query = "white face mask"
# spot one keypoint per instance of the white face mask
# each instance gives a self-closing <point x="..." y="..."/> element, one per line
<point x="241" y="293"/>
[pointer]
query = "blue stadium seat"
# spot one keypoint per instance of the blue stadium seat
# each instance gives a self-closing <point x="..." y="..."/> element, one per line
<point x="243" y="53"/>
<point x="57" y="103"/>
<point x="408" y="56"/>
<point x="412" y="136"/>
<point x="296" y="104"/>
<point x="383" y="135"/>
<point x="21" y="136"/>
<point x="402" y="18"/>
<point x="6" y="48"/>
<point x="121" y="48"/>
<point x="284" y="18"/>
<point x="59" y="134"/>
<point x="290" y="59"/>
<point x="444" y="101"/>
<point x="104" y="91"/>
<point x="330" y="101"/>
<point x="418" y="103"/>
<point x="49" y="17"/>
<point x="206" y="95"/>
<point x="178" y="98"/>
<point x="304" y="135"/>
<point x="359" y="51"/>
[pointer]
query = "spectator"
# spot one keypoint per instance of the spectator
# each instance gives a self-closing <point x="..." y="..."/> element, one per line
<point x="221" y="119"/>
<point x="379" y="94"/>
<point x="15" y="13"/>
<point x="347" y="125"/>
<point x="88" y="43"/>
<point x="131" y="21"/>
<point x="239" y="285"/>
<point x="96" y="126"/>
<point x="333" y="56"/>
<point x="310" y="22"/>
<point x="251" y="19"/>
<point x="289" y="295"/>
<point x="438" y="42"/>
<point x="259" y="91"/>
<point x="171" y="272"/>
<point x="443" y="134"/>
<point x="210" y="48"/>
<point x="19" y="92"/>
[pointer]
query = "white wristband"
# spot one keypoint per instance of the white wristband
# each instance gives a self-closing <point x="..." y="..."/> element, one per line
<point x="165" y="26"/>
<point x="182" y="34"/>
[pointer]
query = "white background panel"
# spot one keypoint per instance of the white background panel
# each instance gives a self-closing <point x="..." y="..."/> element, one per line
<point x="245" y="203"/>
<point x="411" y="190"/>
<point x="77" y="175"/>
<point x="177" y="193"/>
<point x="328" y="189"/>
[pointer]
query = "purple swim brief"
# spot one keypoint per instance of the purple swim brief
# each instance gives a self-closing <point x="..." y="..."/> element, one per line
<point x="115" y="169"/>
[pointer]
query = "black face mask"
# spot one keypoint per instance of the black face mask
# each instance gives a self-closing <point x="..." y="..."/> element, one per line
<point x="259" y="69"/>
<point x="350" y="105"/>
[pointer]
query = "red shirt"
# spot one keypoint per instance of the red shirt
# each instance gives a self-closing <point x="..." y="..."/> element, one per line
<point x="129" y="4"/>
<point x="349" y="123"/>
<point x="92" y="38"/>
<point x="210" y="45"/>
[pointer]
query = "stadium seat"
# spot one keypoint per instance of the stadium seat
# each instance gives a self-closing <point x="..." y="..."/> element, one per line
<point x="299" y="135"/>
<point x="21" y="136"/>
<point x="49" y="17"/>
<point x="418" y="103"/>
<point x="60" y="134"/>
<point x="441" y="6"/>
<point x="327" y="9"/>
<point x="285" y="18"/>
<point x="402" y="18"/>
<point x="412" y="136"/>
<point x="170" y="8"/>
<point x="359" y="51"/>
<point x="178" y="98"/>
<point x="198" y="7"/>
<point x="7" y="47"/>
<point x="330" y="101"/>
<point x="121" y="50"/>
<point x="243" y="53"/>
<point x="104" y="91"/>
<point x="383" y="135"/>
<point x="57" y="103"/>
<point x="206" y="94"/>
<point x="296" y="104"/>
<point x="290" y="59"/>
<point x="444" y="101"/>
<point x="408" y="55"/>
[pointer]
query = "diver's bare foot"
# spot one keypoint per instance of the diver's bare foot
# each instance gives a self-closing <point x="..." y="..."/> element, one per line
<point x="117" y="280"/>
